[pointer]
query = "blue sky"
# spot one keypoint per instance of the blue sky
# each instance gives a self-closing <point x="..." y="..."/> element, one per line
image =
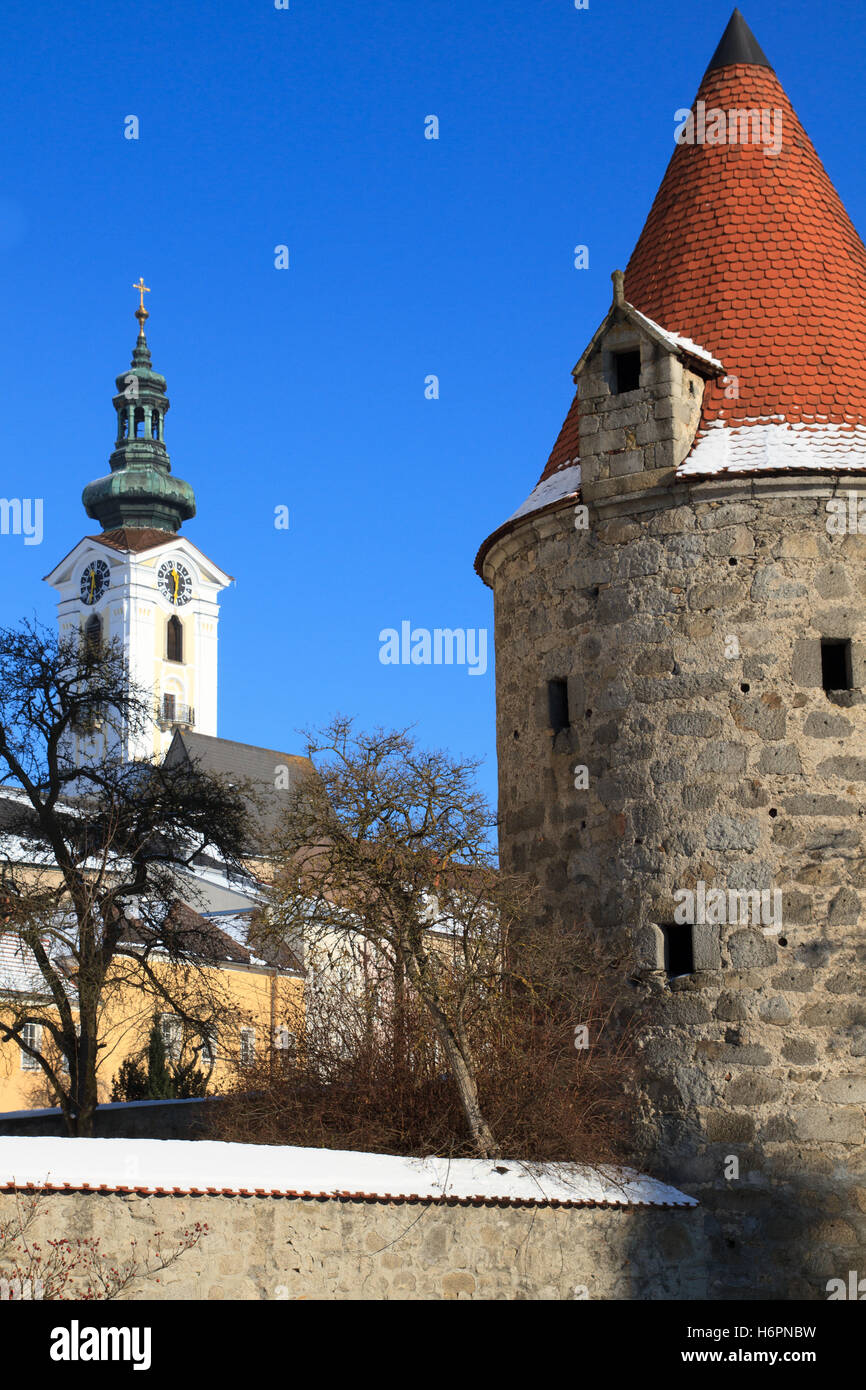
<point x="408" y="257"/>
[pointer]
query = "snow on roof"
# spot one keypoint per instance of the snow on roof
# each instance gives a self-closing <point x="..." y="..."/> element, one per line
<point x="179" y="1166"/>
<point x="236" y="926"/>
<point x="565" y="483"/>
<point x="776" y="444"/>
<point x="678" y="342"/>
<point x="19" y="972"/>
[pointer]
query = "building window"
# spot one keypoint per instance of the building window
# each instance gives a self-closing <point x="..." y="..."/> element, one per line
<point x="154" y="425"/>
<point x="557" y="705"/>
<point x="836" y="672"/>
<point x="171" y="1028"/>
<point x="139" y="424"/>
<point x="31" y="1034"/>
<point x="209" y="1047"/>
<point x="679" y="949"/>
<point x="626" y="371"/>
<point x="248" y="1046"/>
<point x="168" y="707"/>
<point x="93" y="633"/>
<point x="174" y="643"/>
<point x="284" y="1040"/>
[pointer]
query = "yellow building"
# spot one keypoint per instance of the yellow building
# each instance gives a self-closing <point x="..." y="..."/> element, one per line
<point x="246" y="1006"/>
<point x="142" y="585"/>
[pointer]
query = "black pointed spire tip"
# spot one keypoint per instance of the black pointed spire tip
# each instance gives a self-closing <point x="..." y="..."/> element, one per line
<point x="738" y="45"/>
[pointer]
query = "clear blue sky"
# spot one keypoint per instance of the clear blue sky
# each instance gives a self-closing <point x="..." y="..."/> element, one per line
<point x="408" y="257"/>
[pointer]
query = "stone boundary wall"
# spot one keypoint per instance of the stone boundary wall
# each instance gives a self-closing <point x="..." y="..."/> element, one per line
<point x="260" y="1248"/>
<point x="134" y="1119"/>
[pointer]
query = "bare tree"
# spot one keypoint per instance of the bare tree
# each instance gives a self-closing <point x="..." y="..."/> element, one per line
<point x="92" y="852"/>
<point x="391" y="846"/>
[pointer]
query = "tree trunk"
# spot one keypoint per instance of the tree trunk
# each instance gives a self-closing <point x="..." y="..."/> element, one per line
<point x="84" y="1096"/>
<point x="467" y="1090"/>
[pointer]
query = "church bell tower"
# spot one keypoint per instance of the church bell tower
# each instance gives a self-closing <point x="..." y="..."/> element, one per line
<point x="138" y="581"/>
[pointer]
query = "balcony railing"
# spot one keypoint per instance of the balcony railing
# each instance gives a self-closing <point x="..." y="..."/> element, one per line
<point x="170" y="714"/>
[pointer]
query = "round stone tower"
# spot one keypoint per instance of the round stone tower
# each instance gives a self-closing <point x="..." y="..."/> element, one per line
<point x="681" y="666"/>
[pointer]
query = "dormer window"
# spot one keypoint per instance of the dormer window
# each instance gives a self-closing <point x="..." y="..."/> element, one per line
<point x="626" y="371"/>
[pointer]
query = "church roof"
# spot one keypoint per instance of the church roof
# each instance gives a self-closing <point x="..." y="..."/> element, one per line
<point x="134" y="538"/>
<point x="248" y="766"/>
<point x="195" y="935"/>
<point x="137" y="540"/>
<point x="750" y="254"/>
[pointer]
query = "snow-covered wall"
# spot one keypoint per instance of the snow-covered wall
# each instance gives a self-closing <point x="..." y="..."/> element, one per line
<point x="259" y="1248"/>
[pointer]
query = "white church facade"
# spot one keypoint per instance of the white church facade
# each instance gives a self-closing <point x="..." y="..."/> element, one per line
<point x="157" y="596"/>
<point x="140" y="584"/>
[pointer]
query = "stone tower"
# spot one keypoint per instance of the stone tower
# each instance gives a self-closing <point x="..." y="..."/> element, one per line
<point x="681" y="666"/>
<point x="139" y="582"/>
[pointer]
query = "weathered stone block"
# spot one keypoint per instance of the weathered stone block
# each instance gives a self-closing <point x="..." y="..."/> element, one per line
<point x="727" y="833"/>
<point x="829" y="1125"/>
<point x="782" y="760"/>
<point x="724" y="1127"/>
<point x="748" y="949"/>
<point x="845" y="1090"/>
<point x="827" y="725"/>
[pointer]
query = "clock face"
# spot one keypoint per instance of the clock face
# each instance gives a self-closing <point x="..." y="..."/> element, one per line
<point x="94" y="581"/>
<point x="174" y="582"/>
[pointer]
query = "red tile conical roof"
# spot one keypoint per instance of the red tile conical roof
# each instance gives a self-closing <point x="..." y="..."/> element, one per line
<point x="753" y="256"/>
<point x="750" y="254"/>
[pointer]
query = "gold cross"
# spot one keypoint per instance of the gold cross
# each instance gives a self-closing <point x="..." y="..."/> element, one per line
<point x="141" y="313"/>
<point x="142" y="288"/>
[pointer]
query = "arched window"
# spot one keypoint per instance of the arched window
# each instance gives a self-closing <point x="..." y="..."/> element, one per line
<point x="139" y="424"/>
<point x="175" y="640"/>
<point x="93" y="632"/>
<point x="154" y="425"/>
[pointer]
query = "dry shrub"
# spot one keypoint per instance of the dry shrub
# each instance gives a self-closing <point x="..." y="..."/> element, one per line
<point x="371" y="1076"/>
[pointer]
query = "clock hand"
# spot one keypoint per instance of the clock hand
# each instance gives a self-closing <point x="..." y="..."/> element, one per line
<point x="92" y="583"/>
<point x="175" y="577"/>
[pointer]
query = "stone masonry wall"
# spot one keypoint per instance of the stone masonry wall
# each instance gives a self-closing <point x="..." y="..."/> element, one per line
<point x="278" y="1248"/>
<point x="740" y="771"/>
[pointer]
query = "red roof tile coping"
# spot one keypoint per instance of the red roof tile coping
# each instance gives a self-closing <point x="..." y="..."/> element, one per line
<point x="374" y="1198"/>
